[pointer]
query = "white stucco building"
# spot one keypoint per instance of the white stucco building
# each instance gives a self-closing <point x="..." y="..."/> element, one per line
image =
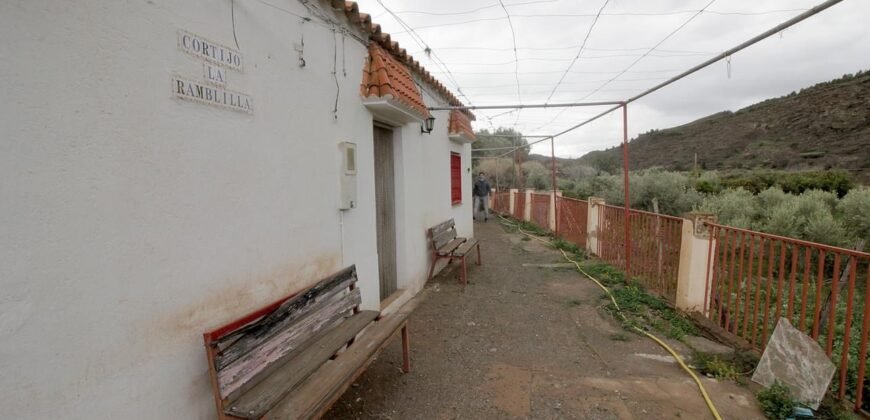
<point x="169" y="166"/>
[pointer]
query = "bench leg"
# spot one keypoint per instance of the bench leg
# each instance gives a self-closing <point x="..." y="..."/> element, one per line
<point x="406" y="349"/>
<point x="464" y="272"/>
<point x="479" y="262"/>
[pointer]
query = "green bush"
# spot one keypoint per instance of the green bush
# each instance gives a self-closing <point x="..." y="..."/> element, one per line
<point x="854" y="210"/>
<point x="776" y="401"/>
<point x="835" y="181"/>
<point x="732" y="207"/>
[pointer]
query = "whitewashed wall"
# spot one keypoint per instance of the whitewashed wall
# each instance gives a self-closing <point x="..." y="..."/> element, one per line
<point x="132" y="221"/>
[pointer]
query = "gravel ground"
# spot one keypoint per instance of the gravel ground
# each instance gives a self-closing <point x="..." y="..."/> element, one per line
<point x="528" y="342"/>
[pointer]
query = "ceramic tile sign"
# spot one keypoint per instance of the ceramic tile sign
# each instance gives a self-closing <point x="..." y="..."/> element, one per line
<point x="795" y="360"/>
<point x="214" y="74"/>
<point x="211" y="95"/>
<point x="213" y="52"/>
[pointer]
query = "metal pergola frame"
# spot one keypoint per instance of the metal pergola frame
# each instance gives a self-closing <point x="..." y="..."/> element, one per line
<point x="624" y="105"/>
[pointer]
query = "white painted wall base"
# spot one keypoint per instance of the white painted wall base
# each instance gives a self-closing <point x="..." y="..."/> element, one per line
<point x="132" y="221"/>
<point x="694" y="251"/>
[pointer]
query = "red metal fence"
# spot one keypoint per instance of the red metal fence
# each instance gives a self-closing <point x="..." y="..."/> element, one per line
<point x="541" y="210"/>
<point x="655" y="241"/>
<point x="755" y="278"/>
<point x="571" y="220"/>
<point x="501" y="202"/>
<point x="519" y="205"/>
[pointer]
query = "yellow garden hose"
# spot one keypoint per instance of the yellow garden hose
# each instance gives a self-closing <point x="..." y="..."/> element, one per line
<point x="619" y="311"/>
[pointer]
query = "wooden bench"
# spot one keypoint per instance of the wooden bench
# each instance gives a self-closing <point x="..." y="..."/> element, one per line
<point x="295" y="357"/>
<point x="447" y="245"/>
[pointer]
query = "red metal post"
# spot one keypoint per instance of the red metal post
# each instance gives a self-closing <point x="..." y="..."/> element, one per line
<point x="625" y="181"/>
<point x="862" y="354"/>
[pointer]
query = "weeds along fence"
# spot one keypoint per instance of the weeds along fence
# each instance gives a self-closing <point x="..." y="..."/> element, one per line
<point x="541" y="210"/>
<point x="571" y="216"/>
<point x="754" y="278"/>
<point x="655" y="241"/>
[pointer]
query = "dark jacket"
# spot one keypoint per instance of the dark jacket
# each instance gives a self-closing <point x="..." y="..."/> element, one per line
<point x="481" y="188"/>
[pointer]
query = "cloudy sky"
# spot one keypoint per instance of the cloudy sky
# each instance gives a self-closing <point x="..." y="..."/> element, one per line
<point x="472" y="43"/>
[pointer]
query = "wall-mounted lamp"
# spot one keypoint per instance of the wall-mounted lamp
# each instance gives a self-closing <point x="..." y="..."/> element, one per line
<point x="428" y="125"/>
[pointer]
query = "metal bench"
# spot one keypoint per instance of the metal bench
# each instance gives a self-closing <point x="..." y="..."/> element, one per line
<point x="295" y="357"/>
<point x="447" y="245"/>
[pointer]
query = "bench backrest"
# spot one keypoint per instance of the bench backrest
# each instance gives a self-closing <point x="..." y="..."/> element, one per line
<point x="243" y="351"/>
<point x="442" y="234"/>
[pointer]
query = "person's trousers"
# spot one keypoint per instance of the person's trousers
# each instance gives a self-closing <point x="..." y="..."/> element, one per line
<point x="481" y="204"/>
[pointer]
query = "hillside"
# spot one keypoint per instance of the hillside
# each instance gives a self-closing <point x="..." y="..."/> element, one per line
<point x="821" y="127"/>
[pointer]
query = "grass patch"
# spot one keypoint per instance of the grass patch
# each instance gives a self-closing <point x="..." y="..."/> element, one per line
<point x="532" y="228"/>
<point x="570" y="248"/>
<point x="643" y="309"/>
<point x="776" y="401"/>
<point x="715" y="366"/>
<point x="606" y="274"/>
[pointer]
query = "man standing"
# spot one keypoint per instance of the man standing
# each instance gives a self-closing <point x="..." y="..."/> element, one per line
<point x="481" y="195"/>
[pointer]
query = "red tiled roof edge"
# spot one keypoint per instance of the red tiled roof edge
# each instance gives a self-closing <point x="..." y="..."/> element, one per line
<point x="364" y="22"/>
<point x="460" y="124"/>
<point x="384" y="75"/>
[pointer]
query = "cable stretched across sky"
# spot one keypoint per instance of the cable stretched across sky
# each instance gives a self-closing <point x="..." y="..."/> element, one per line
<point x="630" y="66"/>
<point x="727" y="53"/>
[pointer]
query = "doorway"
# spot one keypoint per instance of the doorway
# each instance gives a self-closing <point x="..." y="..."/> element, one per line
<point x="385" y="210"/>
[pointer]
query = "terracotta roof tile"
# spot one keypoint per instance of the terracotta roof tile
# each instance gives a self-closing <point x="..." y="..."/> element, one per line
<point x="364" y="23"/>
<point x="385" y="77"/>
<point x="460" y="124"/>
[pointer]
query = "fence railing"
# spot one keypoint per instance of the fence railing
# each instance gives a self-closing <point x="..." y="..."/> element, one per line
<point x="752" y="278"/>
<point x="541" y="210"/>
<point x="501" y="202"/>
<point x="571" y="220"/>
<point x="654" y="244"/>
<point x="519" y="209"/>
<point x="755" y="278"/>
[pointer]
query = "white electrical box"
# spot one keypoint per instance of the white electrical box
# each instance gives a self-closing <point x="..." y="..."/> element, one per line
<point x="347" y="176"/>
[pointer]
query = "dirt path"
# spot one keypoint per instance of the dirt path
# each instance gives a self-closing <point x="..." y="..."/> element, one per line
<point x="528" y="342"/>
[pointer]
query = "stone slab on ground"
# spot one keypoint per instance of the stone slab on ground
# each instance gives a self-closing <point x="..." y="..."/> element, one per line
<point x="795" y="360"/>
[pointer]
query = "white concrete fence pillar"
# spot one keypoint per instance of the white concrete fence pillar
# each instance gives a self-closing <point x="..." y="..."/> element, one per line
<point x="551" y="218"/>
<point x="595" y="205"/>
<point x="512" y="200"/>
<point x="527" y="212"/>
<point x="694" y="250"/>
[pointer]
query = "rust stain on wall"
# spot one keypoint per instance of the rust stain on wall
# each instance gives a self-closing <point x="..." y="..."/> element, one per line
<point x="218" y="307"/>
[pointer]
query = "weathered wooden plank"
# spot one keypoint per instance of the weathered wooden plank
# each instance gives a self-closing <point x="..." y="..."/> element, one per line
<point x="265" y="322"/>
<point x="450" y="247"/>
<point x="328" y="382"/>
<point x="444" y="238"/>
<point x="261" y="360"/>
<point x="465" y="247"/>
<point x="283" y="317"/>
<point x="259" y="399"/>
<point x="442" y="227"/>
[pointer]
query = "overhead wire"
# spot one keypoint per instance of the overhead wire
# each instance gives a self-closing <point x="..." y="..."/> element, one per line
<point x="516" y="59"/>
<point x="630" y="66"/>
<point x="727" y="53"/>
<point x="674" y="32"/>
<point x="589" y="15"/>
<point x="579" y="52"/>
<point x="431" y="52"/>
